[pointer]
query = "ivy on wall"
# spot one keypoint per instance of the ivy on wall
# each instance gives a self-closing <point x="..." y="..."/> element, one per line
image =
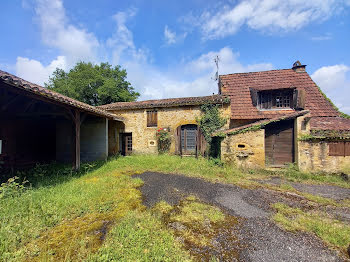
<point x="210" y="120"/>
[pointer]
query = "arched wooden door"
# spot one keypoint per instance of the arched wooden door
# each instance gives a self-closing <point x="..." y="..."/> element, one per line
<point x="188" y="139"/>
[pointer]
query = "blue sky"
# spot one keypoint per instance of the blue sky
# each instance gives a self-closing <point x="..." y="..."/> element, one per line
<point x="168" y="47"/>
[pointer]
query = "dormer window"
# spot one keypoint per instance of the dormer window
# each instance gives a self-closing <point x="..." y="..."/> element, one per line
<point x="275" y="99"/>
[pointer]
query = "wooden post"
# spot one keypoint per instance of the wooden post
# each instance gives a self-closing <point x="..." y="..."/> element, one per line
<point x="76" y="157"/>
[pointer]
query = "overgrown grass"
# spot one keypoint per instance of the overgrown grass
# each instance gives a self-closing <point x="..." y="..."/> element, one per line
<point x="293" y="174"/>
<point x="198" y="225"/>
<point x="140" y="236"/>
<point x="334" y="232"/>
<point x="68" y="220"/>
<point x="97" y="213"/>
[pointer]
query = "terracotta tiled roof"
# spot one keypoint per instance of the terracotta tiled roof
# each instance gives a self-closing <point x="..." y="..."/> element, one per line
<point x="24" y="85"/>
<point x="237" y="87"/>
<point x="169" y="102"/>
<point x="330" y="123"/>
<point x="263" y="122"/>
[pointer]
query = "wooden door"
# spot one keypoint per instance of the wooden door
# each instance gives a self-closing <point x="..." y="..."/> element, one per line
<point x="126" y="145"/>
<point x="279" y="143"/>
<point x="188" y="139"/>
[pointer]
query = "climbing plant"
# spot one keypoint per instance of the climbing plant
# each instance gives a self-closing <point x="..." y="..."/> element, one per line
<point x="209" y="122"/>
<point x="163" y="140"/>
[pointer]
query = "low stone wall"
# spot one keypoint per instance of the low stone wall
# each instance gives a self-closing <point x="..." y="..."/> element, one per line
<point x="244" y="150"/>
<point x="313" y="157"/>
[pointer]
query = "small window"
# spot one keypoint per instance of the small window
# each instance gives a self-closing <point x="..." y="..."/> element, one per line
<point x="339" y="149"/>
<point x="275" y="99"/>
<point x="152" y="118"/>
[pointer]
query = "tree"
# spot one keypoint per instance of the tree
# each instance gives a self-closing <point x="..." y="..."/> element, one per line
<point x="93" y="84"/>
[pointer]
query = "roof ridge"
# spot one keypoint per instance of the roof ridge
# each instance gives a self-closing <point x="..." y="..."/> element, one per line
<point x="251" y="72"/>
<point x="166" y="99"/>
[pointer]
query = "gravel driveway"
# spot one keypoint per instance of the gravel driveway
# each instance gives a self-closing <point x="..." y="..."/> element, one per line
<point x="262" y="239"/>
<point x="329" y="191"/>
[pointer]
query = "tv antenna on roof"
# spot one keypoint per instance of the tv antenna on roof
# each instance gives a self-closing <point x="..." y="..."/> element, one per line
<point x="216" y="60"/>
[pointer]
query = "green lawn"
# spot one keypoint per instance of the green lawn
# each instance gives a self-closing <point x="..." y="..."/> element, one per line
<point x="97" y="214"/>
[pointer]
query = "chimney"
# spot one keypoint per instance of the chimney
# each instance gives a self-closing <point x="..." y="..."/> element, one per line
<point x="298" y="67"/>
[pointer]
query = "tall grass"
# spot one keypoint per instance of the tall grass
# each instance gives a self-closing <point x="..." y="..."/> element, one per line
<point x="67" y="220"/>
<point x="61" y="215"/>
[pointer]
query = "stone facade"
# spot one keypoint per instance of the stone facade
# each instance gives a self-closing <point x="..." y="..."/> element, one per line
<point x="144" y="138"/>
<point x="245" y="150"/>
<point x="313" y="156"/>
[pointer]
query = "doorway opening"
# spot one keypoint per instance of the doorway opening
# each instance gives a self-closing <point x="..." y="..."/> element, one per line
<point x="279" y="143"/>
<point x="188" y="139"/>
<point x="126" y="144"/>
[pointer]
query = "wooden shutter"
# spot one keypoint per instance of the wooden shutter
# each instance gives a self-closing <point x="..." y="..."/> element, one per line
<point x="336" y="149"/>
<point x="152" y="118"/>
<point x="295" y="98"/>
<point x="254" y="96"/>
<point x="301" y="99"/>
<point x="347" y="148"/>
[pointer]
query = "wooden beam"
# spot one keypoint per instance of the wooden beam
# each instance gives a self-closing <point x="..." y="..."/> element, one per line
<point x="76" y="153"/>
<point x="9" y="102"/>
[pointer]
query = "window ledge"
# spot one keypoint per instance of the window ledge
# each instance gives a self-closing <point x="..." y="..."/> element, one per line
<point x="277" y="109"/>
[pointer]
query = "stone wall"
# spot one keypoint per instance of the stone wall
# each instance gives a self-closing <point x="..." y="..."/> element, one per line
<point x="144" y="138"/>
<point x="312" y="156"/>
<point x="244" y="150"/>
<point x="94" y="139"/>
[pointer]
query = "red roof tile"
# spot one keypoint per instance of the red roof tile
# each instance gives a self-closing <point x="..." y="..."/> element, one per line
<point x="22" y="84"/>
<point x="263" y="122"/>
<point x="237" y="87"/>
<point x="330" y="123"/>
<point x="183" y="101"/>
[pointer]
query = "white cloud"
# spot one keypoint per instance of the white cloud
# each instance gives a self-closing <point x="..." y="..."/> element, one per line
<point x="34" y="71"/>
<point x="321" y="38"/>
<point x="56" y="31"/>
<point x="170" y="37"/>
<point x="335" y="82"/>
<point x="122" y="42"/>
<point x="265" y="15"/>
<point x="73" y="44"/>
<point x="192" y="78"/>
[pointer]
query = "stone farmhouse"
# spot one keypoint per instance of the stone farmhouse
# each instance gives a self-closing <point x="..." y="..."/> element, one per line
<point x="273" y="117"/>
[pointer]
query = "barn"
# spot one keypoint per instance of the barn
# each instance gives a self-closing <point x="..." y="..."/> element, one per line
<point x="42" y="126"/>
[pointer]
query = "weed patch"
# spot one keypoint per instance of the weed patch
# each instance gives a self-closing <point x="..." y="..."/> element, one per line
<point x="197" y="225"/>
<point x="333" y="232"/>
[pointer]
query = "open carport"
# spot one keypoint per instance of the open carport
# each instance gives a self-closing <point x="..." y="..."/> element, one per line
<point x="40" y="126"/>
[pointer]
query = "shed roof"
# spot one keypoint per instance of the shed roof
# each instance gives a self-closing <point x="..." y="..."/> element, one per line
<point x="45" y="93"/>
<point x="261" y="123"/>
<point x="330" y="123"/>
<point x="237" y="87"/>
<point x="169" y="102"/>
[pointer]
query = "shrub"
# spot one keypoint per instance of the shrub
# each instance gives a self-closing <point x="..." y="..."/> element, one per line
<point x="163" y="140"/>
<point x="12" y="188"/>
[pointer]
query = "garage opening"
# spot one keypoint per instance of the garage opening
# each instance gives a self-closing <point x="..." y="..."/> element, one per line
<point x="279" y="143"/>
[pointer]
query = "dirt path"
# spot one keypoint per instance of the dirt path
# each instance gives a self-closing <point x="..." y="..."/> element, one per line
<point x="261" y="238"/>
